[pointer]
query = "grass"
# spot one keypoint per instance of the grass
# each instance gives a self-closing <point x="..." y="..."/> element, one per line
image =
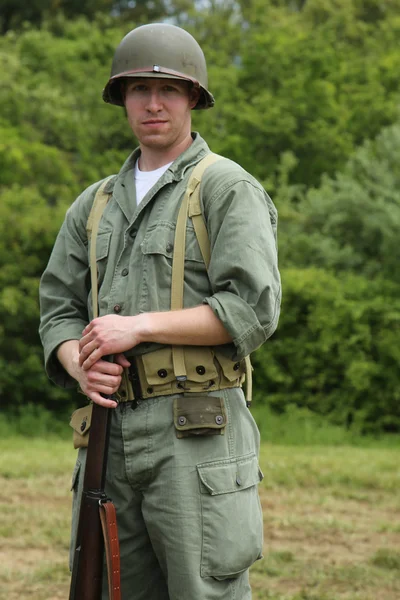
<point x="331" y="521"/>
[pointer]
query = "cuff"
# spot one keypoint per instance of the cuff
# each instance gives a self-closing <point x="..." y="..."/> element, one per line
<point x="240" y="320"/>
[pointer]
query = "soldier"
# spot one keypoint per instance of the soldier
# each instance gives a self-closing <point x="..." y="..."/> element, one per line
<point x="183" y="460"/>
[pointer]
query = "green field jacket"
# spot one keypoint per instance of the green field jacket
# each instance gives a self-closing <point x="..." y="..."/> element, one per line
<point x="134" y="257"/>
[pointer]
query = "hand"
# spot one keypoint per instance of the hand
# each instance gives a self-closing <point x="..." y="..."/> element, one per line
<point x="107" y="335"/>
<point x="102" y="378"/>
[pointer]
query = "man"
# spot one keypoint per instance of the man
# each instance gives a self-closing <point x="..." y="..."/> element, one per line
<point x="183" y="479"/>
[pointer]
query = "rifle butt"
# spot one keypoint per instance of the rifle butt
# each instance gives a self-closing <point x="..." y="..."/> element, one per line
<point x="87" y="572"/>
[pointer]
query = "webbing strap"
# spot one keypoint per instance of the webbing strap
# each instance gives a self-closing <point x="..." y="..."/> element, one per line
<point x="92" y="227"/>
<point x="196" y="214"/>
<point x="191" y="206"/>
<point x="249" y="380"/>
<point x="178" y="259"/>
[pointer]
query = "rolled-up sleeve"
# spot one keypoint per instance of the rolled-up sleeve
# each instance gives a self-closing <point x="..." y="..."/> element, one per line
<point x="243" y="271"/>
<point x="64" y="293"/>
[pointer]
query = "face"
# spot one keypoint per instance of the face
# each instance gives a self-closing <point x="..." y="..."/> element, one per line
<point x="159" y="111"/>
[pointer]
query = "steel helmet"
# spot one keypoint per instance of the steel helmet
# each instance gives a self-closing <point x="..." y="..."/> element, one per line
<point x="158" y="50"/>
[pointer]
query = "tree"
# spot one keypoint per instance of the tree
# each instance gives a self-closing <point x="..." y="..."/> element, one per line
<point x="351" y="221"/>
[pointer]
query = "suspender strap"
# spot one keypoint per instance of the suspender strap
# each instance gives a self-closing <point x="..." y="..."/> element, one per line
<point x="196" y="214"/>
<point x="92" y="227"/>
<point x="178" y="260"/>
<point x="191" y="207"/>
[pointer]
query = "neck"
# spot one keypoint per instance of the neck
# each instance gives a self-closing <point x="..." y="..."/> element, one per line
<point x="154" y="158"/>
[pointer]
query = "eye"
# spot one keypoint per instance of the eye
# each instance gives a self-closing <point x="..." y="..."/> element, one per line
<point x="171" y="88"/>
<point x="137" y="87"/>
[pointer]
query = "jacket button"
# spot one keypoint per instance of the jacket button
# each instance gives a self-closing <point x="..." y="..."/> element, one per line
<point x="83" y="425"/>
<point x="117" y="308"/>
<point x="162" y="373"/>
<point x="133" y="233"/>
<point x="236" y="366"/>
<point x="219" y="419"/>
<point x="150" y="390"/>
<point x="125" y="272"/>
<point x="182" y="420"/>
<point x="200" y="370"/>
<point x="169" y="247"/>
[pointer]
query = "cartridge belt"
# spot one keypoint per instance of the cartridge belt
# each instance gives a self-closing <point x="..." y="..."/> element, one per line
<point x="151" y="375"/>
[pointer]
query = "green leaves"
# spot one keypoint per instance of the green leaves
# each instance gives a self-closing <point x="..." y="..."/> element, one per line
<point x="307" y="97"/>
<point x="335" y="350"/>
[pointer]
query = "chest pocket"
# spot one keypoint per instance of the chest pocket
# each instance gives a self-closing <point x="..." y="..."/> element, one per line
<point x="160" y="240"/>
<point x="157" y="251"/>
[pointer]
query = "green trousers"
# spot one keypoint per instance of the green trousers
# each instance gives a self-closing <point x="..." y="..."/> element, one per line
<point x="189" y="514"/>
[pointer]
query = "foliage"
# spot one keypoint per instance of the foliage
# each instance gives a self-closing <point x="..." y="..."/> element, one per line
<point x="15" y="14"/>
<point x="336" y="351"/>
<point x="351" y="221"/>
<point x="307" y="99"/>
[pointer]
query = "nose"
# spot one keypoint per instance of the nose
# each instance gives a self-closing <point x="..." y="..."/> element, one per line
<point x="154" y="103"/>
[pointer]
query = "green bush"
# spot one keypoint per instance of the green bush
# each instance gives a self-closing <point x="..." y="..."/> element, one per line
<point x="336" y="350"/>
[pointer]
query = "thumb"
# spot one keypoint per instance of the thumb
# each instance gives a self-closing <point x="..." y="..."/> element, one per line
<point x="121" y="360"/>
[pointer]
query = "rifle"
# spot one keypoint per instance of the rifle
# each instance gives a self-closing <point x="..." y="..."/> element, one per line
<point x="97" y="520"/>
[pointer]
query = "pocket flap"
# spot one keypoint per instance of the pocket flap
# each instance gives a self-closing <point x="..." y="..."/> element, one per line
<point x="160" y="240"/>
<point x="199" y="412"/>
<point x="199" y="362"/>
<point x="231" y="475"/>
<point x="158" y="366"/>
<point x="231" y="370"/>
<point x="81" y="419"/>
<point x="102" y="244"/>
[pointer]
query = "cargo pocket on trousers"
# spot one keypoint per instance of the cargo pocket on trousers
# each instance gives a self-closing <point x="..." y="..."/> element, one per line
<point x="231" y="516"/>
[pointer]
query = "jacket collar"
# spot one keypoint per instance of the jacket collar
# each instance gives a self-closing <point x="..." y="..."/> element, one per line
<point x="123" y="185"/>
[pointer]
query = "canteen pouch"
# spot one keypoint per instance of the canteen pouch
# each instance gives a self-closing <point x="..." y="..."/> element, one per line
<point x="80" y="423"/>
<point x="197" y="415"/>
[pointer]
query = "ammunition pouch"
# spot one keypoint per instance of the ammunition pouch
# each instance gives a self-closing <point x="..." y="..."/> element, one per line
<point x="196" y="415"/>
<point x="80" y="422"/>
<point x="207" y="369"/>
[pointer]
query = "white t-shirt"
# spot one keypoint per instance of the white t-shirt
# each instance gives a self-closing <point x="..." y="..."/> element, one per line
<point x="144" y="180"/>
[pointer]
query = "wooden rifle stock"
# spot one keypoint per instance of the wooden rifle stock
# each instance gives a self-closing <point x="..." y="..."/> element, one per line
<point x="87" y="571"/>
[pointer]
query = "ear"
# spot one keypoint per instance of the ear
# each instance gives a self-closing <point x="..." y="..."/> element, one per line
<point x="194" y="95"/>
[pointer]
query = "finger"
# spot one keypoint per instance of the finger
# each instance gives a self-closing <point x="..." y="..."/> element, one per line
<point x="88" y="328"/>
<point x="85" y="340"/>
<point x="89" y="356"/>
<point x="102" y="382"/>
<point x="103" y="366"/>
<point x="121" y="359"/>
<point x="101" y="401"/>
<point x="102" y="388"/>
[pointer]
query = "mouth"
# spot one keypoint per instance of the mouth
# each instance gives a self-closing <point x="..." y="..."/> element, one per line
<point x="153" y="122"/>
